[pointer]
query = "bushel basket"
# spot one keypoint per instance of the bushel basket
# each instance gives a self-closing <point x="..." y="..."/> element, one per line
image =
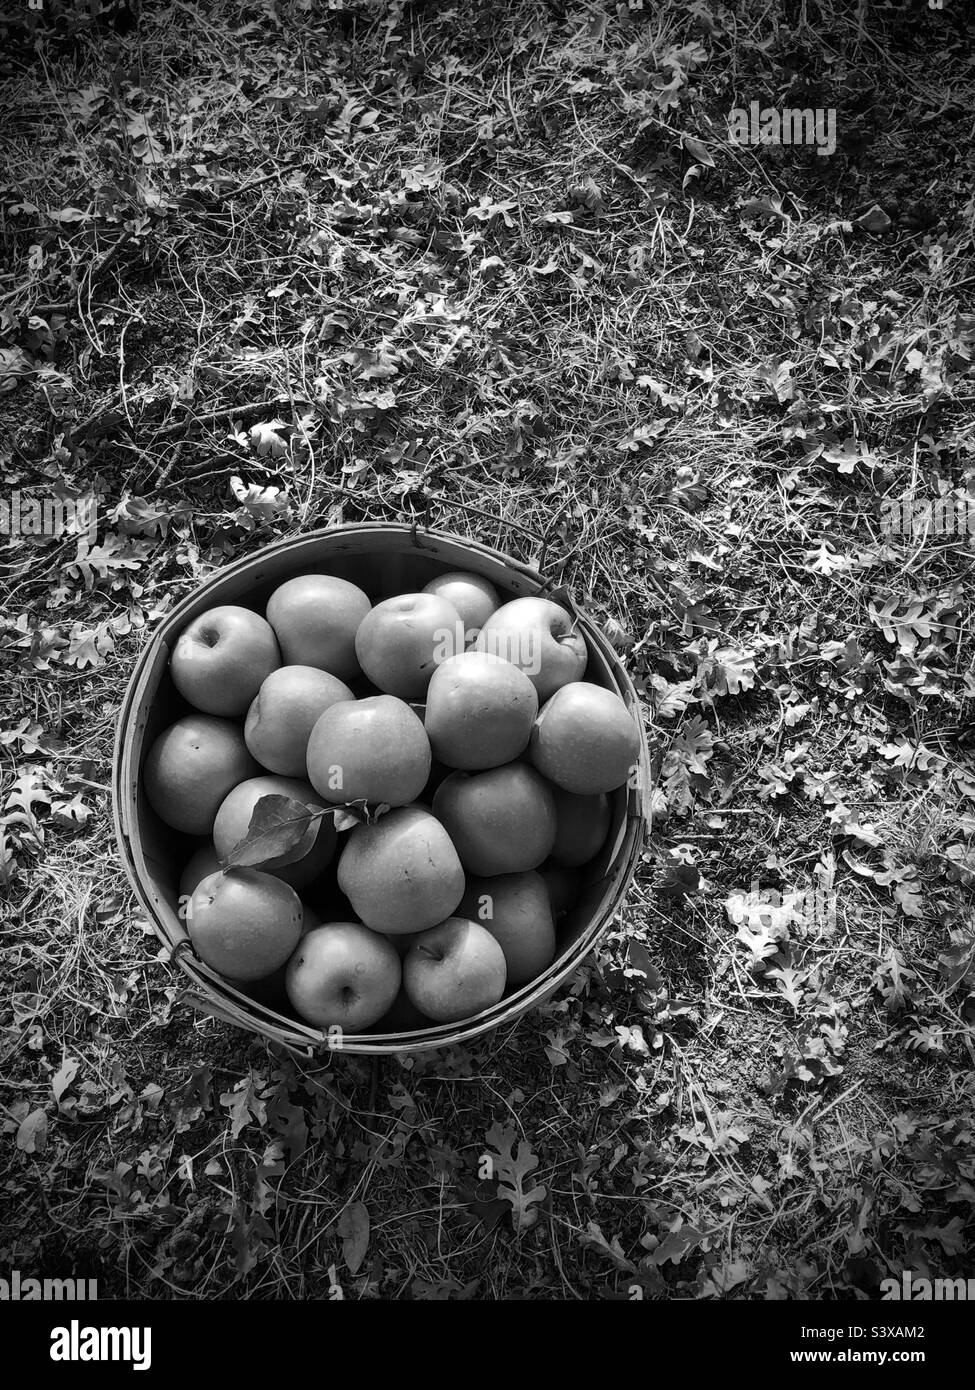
<point x="383" y="559"/>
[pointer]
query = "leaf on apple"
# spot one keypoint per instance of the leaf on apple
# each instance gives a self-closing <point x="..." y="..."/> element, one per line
<point x="281" y="830"/>
<point x="345" y="819"/>
<point x="353" y="1227"/>
<point x="511" y="1171"/>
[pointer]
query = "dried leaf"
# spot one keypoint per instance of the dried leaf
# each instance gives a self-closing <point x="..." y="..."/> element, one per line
<point x="353" y="1227"/>
<point x="511" y="1169"/>
<point x="32" y="1134"/>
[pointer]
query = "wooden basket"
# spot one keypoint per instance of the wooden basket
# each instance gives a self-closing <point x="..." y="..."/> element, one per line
<point x="383" y="559"/>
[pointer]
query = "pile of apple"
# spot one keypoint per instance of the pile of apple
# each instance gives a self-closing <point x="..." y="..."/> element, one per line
<point x="456" y="745"/>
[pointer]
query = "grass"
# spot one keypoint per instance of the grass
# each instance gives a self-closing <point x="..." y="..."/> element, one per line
<point x="469" y="262"/>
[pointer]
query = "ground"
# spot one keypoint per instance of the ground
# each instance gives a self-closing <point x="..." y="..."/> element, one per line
<point x="499" y="269"/>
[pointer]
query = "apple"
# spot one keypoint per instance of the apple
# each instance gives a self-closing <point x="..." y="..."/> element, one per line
<point x="517" y="911"/>
<point x="270" y="991"/>
<point x="454" y="970"/>
<point x="564" y="886"/>
<point x="244" y="923"/>
<point x="502" y="820"/>
<point x="403" y="1016"/>
<point x="581" y="827"/>
<point x="585" y="739"/>
<point x="283" y="714"/>
<point x="221" y="658"/>
<point x="234" y="818"/>
<point x="191" y="767"/>
<point x="474" y="598"/>
<point x="373" y="750"/>
<point x="540" y="637"/>
<point x="343" y="975"/>
<point x="403" y="639"/>
<point x="201" y="864"/>
<point x="402" y="873"/>
<point x="480" y="711"/>
<point x="316" y="617"/>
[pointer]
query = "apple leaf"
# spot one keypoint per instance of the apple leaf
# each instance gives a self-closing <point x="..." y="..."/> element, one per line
<point x="353" y="1227"/>
<point x="511" y="1171"/>
<point x="281" y="830"/>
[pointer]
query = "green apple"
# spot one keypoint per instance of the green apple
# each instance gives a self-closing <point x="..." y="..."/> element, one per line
<point x="585" y="739"/>
<point x="454" y="970"/>
<point x="517" y="911"/>
<point x="221" y="658"/>
<point x="316" y="617"/>
<point x="502" y="820"/>
<point x="401" y="874"/>
<point x="403" y="639"/>
<point x="474" y="598"/>
<point x="191" y="767"/>
<point x="343" y="975"/>
<point x="541" y="638"/>
<point x="564" y="886"/>
<point x="244" y="923"/>
<point x="581" y="827"/>
<point x="234" y="818"/>
<point x="374" y="750"/>
<point x="479" y="712"/>
<point x="283" y="714"/>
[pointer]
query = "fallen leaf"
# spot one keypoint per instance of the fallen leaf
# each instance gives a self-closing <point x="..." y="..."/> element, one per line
<point x="353" y="1227"/>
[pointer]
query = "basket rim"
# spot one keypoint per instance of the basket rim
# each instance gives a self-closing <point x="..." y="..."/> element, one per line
<point x="209" y="993"/>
